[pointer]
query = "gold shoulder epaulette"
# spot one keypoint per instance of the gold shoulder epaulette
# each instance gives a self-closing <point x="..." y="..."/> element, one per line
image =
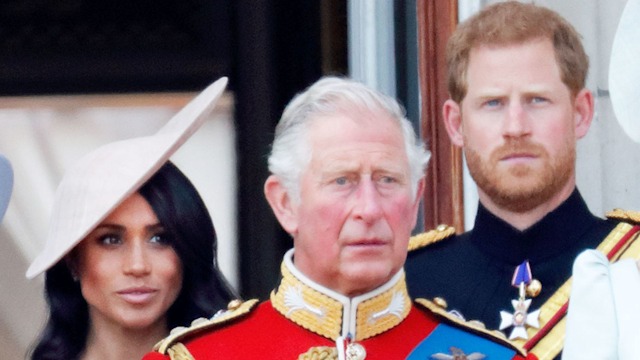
<point x="438" y="307"/>
<point x="625" y="215"/>
<point x="235" y="309"/>
<point x="421" y="240"/>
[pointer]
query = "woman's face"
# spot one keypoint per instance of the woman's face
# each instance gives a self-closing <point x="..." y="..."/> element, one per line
<point x="128" y="272"/>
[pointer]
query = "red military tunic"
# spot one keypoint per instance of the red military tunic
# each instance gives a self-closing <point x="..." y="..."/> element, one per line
<point x="304" y="320"/>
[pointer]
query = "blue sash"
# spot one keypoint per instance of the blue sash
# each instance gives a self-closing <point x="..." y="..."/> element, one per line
<point x="445" y="341"/>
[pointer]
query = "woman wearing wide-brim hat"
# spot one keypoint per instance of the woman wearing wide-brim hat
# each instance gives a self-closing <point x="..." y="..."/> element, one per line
<point x="130" y="251"/>
<point x="604" y="307"/>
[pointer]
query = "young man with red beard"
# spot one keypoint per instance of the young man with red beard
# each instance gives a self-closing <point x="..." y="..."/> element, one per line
<point x="518" y="106"/>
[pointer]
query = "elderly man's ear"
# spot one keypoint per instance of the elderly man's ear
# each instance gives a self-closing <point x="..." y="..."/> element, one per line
<point x="281" y="204"/>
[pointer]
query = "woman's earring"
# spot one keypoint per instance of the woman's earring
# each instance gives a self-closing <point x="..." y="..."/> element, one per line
<point x="71" y="265"/>
<point x="74" y="275"/>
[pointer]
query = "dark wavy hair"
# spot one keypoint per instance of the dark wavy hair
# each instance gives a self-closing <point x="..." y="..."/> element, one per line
<point x="205" y="290"/>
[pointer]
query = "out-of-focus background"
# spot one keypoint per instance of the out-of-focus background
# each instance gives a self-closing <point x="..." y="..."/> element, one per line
<point x="77" y="74"/>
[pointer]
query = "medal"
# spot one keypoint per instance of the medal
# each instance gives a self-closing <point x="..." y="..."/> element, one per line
<point x="355" y="351"/>
<point x="521" y="318"/>
<point x="349" y="350"/>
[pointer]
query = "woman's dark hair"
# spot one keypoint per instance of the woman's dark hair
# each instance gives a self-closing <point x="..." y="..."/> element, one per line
<point x="183" y="214"/>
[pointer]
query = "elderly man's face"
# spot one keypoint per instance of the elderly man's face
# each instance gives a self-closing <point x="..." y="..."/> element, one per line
<point x="356" y="209"/>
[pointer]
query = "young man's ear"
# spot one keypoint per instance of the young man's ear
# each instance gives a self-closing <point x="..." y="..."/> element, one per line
<point x="583" y="112"/>
<point x="281" y="204"/>
<point x="452" y="115"/>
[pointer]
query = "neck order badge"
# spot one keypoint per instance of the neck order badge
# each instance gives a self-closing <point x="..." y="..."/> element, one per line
<point x="521" y="318"/>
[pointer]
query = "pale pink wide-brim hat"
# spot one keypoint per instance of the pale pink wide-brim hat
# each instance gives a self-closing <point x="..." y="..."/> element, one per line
<point x="6" y="184"/>
<point x="624" y="71"/>
<point x="104" y="178"/>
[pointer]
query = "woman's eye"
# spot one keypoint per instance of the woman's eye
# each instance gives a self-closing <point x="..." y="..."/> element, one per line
<point x="110" y="240"/>
<point x="160" y="239"/>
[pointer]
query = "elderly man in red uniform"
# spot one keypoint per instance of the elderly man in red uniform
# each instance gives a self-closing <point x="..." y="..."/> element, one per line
<point x="347" y="179"/>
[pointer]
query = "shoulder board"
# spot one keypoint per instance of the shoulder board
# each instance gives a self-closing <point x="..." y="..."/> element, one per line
<point x="625" y="215"/>
<point x="236" y="309"/>
<point x="421" y="240"/>
<point x="475" y="327"/>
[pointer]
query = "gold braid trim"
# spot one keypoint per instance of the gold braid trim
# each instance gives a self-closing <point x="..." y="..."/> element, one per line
<point x="549" y="346"/>
<point x="627" y="251"/>
<point x="631" y="251"/>
<point x="323" y="315"/>
<point x="179" y="352"/>
<point x="320" y="353"/>
<point x="421" y="240"/>
<point x="326" y="317"/>
<point x="624" y="215"/>
<point x="370" y="320"/>
<point x="235" y="310"/>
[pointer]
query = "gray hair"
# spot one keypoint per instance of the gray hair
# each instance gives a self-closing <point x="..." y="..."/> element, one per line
<point x="290" y="152"/>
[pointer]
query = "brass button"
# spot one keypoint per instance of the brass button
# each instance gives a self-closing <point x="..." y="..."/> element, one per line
<point x="234" y="304"/>
<point x="477" y="323"/>
<point x="534" y="288"/>
<point x="440" y="302"/>
<point x="199" y="321"/>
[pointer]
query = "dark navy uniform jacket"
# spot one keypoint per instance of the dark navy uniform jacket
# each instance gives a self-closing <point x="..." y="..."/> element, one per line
<point x="473" y="271"/>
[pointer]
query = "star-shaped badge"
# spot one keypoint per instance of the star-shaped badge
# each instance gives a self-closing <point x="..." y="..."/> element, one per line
<point x="519" y="319"/>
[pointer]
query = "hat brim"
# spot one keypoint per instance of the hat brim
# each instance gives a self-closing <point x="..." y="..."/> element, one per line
<point x="624" y="71"/>
<point x="6" y="184"/>
<point x="98" y="183"/>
